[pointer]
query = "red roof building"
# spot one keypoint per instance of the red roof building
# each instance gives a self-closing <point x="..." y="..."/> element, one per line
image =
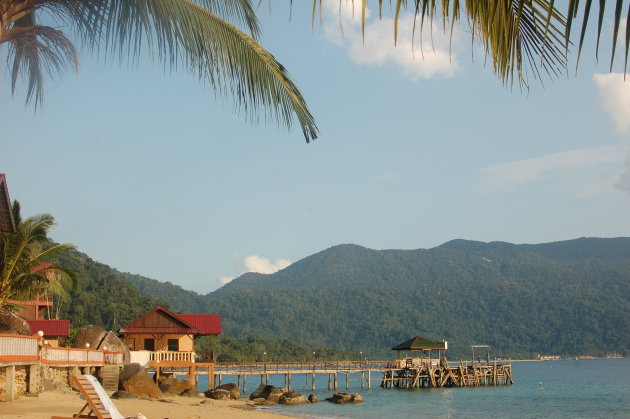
<point x="55" y="331"/>
<point x="163" y="330"/>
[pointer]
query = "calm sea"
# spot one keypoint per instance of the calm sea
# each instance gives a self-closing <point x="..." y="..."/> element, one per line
<point x="572" y="389"/>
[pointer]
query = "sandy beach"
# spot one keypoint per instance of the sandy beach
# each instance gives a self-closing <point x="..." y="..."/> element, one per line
<point x="68" y="403"/>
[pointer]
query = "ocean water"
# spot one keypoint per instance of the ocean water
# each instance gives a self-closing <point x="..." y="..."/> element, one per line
<point x="572" y="389"/>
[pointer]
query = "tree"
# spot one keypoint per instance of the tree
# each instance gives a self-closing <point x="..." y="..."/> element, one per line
<point x="519" y="35"/>
<point x="24" y="270"/>
<point x="180" y="33"/>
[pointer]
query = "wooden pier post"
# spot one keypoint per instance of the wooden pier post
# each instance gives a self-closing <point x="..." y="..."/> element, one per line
<point x="220" y="378"/>
<point x="369" y="379"/>
<point x="313" y="382"/>
<point x="238" y="380"/>
<point x="330" y="381"/>
<point x="335" y="382"/>
<point x="347" y="381"/>
<point x="362" y="380"/>
<point x="244" y="383"/>
<point x="289" y="381"/>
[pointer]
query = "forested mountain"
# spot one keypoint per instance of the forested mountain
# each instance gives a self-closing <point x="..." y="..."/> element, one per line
<point x="102" y="296"/>
<point x="568" y="298"/>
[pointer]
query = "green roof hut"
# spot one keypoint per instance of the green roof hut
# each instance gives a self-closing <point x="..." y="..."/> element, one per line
<point x="417" y="343"/>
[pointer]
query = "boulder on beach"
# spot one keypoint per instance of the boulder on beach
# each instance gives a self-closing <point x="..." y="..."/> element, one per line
<point x="12" y="324"/>
<point x="134" y="379"/>
<point x="292" y="398"/>
<point x="343" y="398"/>
<point x="270" y="394"/>
<point x="122" y="394"/>
<point x="235" y="392"/>
<point x="312" y="398"/>
<point x="218" y="394"/>
<point x="174" y="386"/>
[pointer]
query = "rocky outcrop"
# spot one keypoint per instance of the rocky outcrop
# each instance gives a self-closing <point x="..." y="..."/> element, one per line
<point x="217" y="394"/>
<point x="135" y="380"/>
<point x="99" y="338"/>
<point x="343" y="398"/>
<point x="174" y="386"/>
<point x="267" y="395"/>
<point x="12" y="324"/>
<point x="312" y="398"/>
<point x="90" y="334"/>
<point x="114" y="344"/>
<point x="235" y="392"/>
<point x="291" y="398"/>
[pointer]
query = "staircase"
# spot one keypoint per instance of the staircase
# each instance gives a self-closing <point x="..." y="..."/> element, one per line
<point x="109" y="375"/>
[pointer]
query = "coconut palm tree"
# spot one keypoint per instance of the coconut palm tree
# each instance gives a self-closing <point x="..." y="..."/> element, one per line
<point x="194" y="35"/>
<point x="23" y="268"/>
<point x="520" y="36"/>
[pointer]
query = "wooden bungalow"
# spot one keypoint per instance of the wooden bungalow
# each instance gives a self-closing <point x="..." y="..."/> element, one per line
<point x="7" y="225"/>
<point x="405" y="357"/>
<point x="161" y="330"/>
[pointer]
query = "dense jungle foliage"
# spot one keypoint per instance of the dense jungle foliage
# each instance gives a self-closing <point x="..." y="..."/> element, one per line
<point x="566" y="298"/>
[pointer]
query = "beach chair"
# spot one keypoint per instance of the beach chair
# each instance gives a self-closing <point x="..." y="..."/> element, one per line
<point x="99" y="405"/>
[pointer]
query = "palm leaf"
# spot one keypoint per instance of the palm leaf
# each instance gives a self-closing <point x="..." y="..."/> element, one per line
<point x="521" y="36"/>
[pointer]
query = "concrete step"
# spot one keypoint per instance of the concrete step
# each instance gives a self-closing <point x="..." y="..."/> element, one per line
<point x="110" y="375"/>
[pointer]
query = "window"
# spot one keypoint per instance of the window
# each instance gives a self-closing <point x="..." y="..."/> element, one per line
<point x="149" y="344"/>
<point x="173" y="345"/>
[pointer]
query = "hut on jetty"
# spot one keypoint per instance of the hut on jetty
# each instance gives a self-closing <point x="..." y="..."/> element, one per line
<point x="410" y="371"/>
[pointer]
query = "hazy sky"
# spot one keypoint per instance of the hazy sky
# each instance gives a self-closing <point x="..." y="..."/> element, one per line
<point x="152" y="174"/>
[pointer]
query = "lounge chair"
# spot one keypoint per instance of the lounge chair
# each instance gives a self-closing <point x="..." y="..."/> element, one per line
<point x="99" y="405"/>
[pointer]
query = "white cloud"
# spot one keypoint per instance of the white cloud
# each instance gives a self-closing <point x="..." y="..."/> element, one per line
<point x="582" y="172"/>
<point x="614" y="97"/>
<point x="259" y="264"/>
<point x="263" y="265"/>
<point x="428" y="57"/>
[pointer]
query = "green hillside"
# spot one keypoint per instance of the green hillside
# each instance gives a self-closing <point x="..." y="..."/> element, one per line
<point x="566" y="298"/>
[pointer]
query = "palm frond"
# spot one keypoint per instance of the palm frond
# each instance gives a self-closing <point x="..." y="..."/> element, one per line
<point x="183" y="34"/>
<point x="521" y="36"/>
<point x="37" y="50"/>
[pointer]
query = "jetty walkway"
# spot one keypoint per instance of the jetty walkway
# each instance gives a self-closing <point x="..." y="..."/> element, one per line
<point x="405" y="373"/>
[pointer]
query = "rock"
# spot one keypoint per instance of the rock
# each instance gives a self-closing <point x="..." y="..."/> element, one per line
<point x="292" y="398"/>
<point x="174" y="386"/>
<point x="235" y="392"/>
<point x="265" y="402"/>
<point x="192" y="392"/>
<point x="257" y="394"/>
<point x="12" y="324"/>
<point x="122" y="394"/>
<point x="218" y="394"/>
<point x="267" y="392"/>
<point x="135" y="380"/>
<point x="357" y="398"/>
<point x="91" y="334"/>
<point x="312" y="398"/>
<point x="114" y="344"/>
<point x="343" y="398"/>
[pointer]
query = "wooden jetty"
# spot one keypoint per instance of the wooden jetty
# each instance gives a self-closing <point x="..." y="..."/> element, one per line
<point x="419" y="373"/>
<point x="427" y="373"/>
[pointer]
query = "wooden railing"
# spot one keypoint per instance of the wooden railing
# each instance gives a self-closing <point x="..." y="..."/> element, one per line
<point x="171" y="356"/>
<point x="15" y="348"/>
<point x="315" y="366"/>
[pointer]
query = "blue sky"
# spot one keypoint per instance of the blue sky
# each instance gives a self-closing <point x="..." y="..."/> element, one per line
<point x="150" y="173"/>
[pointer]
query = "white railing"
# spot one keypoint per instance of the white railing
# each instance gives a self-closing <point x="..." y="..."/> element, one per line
<point x="168" y="356"/>
<point x="18" y="348"/>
